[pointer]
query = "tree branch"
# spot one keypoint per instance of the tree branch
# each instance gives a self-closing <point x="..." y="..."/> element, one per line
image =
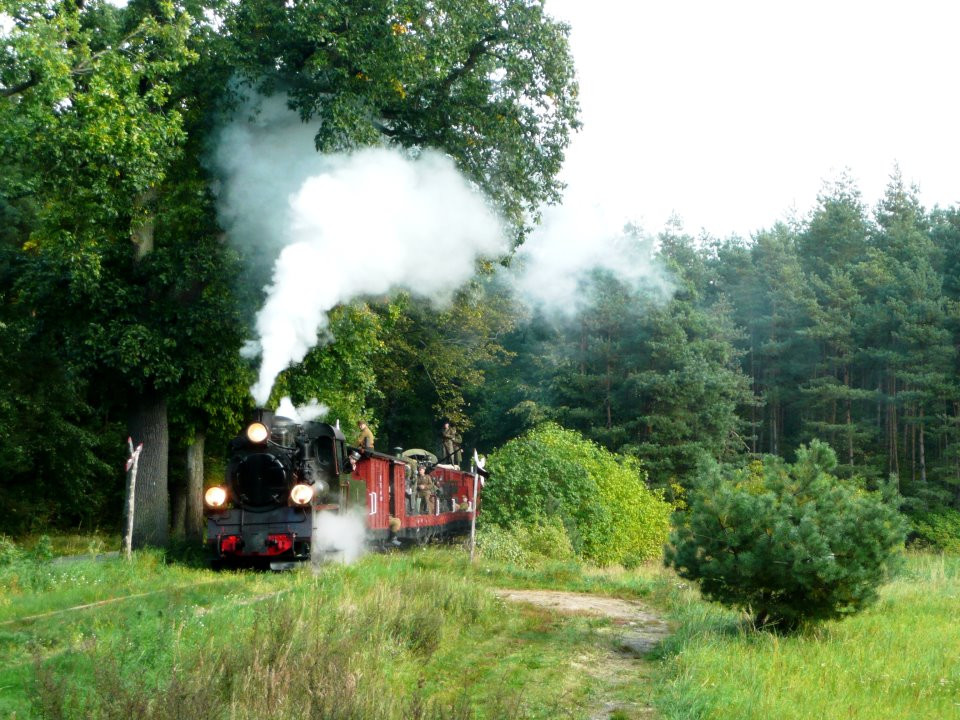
<point x="477" y="51"/>
<point x="81" y="68"/>
<point x="84" y="65"/>
<point x="22" y="87"/>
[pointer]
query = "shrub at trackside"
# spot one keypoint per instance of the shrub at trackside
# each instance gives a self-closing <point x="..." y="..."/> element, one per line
<point x="937" y="530"/>
<point x="610" y="514"/>
<point x="787" y="542"/>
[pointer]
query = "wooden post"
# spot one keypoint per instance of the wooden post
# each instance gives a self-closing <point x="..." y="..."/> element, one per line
<point x="473" y="518"/>
<point x="477" y="468"/>
<point x="132" y="462"/>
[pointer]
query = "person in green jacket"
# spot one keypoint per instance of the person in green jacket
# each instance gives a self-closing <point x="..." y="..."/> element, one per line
<point x="364" y="437"/>
<point x="452" y="442"/>
<point x="426" y="491"/>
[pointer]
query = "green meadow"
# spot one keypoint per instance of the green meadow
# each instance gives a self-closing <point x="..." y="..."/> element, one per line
<point x="422" y="635"/>
<point x="897" y="659"/>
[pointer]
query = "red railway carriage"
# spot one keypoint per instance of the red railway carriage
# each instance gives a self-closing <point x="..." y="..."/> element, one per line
<point x="392" y="507"/>
<point x="284" y="479"/>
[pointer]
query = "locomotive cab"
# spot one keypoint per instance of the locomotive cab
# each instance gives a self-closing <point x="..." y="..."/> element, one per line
<point x="325" y="459"/>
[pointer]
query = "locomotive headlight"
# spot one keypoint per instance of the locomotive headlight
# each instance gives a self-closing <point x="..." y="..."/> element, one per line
<point x="257" y="433"/>
<point x="301" y="494"/>
<point x="215" y="497"/>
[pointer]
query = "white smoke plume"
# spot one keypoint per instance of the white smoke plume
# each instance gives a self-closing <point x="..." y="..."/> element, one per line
<point x="338" y="538"/>
<point x="345" y="226"/>
<point x="313" y="410"/>
<point x="574" y="240"/>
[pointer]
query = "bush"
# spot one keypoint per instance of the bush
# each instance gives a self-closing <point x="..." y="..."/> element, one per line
<point x="937" y="530"/>
<point x="526" y="544"/>
<point x="786" y="542"/>
<point x="10" y="553"/>
<point x="500" y="545"/>
<point x="602" y="499"/>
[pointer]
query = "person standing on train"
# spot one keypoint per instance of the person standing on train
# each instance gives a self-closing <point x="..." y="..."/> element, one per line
<point x="451" y="444"/>
<point x="426" y="490"/>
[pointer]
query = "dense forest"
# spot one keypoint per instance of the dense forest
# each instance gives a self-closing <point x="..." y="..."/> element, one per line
<point x="123" y="309"/>
<point x="842" y="326"/>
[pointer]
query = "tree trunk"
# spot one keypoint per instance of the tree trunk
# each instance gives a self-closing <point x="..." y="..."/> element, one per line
<point x="879" y="405"/>
<point x="609" y="409"/>
<point x="178" y="508"/>
<point x="906" y="445"/>
<point x="148" y="424"/>
<point x="583" y="347"/>
<point x="774" y="444"/>
<point x="849" y="419"/>
<point x="923" y="454"/>
<point x="194" y="495"/>
<point x="753" y="405"/>
<point x="892" y="427"/>
<point x="956" y="453"/>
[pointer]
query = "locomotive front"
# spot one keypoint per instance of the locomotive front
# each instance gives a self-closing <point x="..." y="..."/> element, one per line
<point x="279" y="474"/>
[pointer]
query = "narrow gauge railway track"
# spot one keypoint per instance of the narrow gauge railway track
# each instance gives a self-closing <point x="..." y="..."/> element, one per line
<point x="109" y="601"/>
<point x="217" y="604"/>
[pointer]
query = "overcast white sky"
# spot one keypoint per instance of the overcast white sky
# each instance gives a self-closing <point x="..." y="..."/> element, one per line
<point x="731" y="114"/>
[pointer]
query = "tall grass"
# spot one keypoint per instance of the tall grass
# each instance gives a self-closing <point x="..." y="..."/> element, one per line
<point x="419" y="635"/>
<point x="387" y="638"/>
<point x="896" y="660"/>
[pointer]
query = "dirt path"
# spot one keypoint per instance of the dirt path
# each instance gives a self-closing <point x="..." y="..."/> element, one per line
<point x="636" y="630"/>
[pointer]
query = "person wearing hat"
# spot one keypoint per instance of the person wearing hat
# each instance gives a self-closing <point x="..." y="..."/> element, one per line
<point x="354" y="458"/>
<point x="448" y="433"/>
<point x="364" y="437"/>
<point x="426" y="490"/>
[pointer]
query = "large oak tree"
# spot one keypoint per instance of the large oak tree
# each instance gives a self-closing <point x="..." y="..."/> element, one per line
<point x="103" y="115"/>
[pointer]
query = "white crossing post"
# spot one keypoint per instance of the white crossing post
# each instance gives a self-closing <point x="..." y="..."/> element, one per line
<point x="132" y="463"/>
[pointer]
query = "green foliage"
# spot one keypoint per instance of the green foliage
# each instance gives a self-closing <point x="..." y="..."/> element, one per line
<point x="430" y="357"/>
<point x="343" y="372"/>
<point x="851" y="327"/>
<point x="491" y="83"/>
<point x="91" y="130"/>
<point x="938" y="530"/>
<point x="787" y="542"/>
<point x="111" y="259"/>
<point x="42" y="550"/>
<point x="526" y="544"/>
<point x="500" y="545"/>
<point x="9" y="552"/>
<point x="640" y="370"/>
<point x="612" y="516"/>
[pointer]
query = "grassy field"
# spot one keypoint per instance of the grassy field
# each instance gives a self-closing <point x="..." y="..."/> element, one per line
<point x="412" y="635"/>
<point x="898" y="659"/>
<point x="421" y="635"/>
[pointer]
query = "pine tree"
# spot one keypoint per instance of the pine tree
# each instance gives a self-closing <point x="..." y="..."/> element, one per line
<point x="787" y="543"/>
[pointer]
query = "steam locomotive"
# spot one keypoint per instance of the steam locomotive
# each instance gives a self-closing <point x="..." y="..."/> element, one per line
<point x="286" y="480"/>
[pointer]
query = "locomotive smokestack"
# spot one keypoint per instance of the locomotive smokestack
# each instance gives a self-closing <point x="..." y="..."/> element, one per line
<point x="263" y="416"/>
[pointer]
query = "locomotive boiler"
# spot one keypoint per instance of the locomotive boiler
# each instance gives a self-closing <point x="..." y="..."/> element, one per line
<point x="285" y="479"/>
